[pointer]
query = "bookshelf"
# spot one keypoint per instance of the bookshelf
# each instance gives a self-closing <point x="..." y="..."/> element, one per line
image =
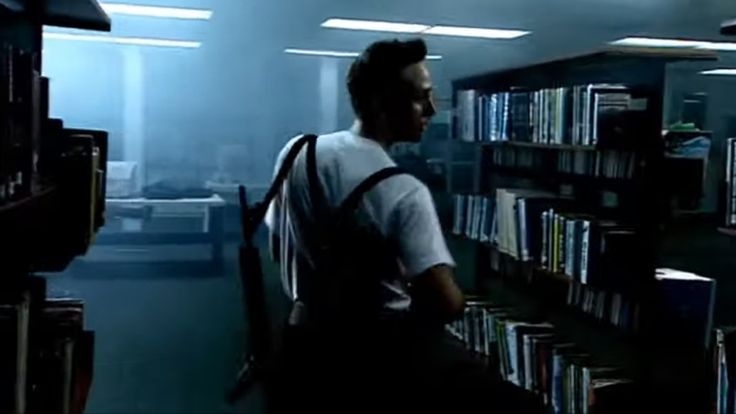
<point x="76" y="14"/>
<point x="618" y="179"/>
<point x="52" y="196"/>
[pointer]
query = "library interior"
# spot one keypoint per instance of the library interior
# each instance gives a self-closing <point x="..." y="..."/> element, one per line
<point x="560" y="226"/>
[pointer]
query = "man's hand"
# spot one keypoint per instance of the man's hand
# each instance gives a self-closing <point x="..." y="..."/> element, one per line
<point x="436" y="296"/>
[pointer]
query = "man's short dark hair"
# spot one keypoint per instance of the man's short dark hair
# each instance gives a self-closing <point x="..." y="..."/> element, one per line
<point x="379" y="68"/>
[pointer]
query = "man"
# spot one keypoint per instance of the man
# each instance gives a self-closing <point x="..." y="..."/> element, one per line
<point x="371" y="294"/>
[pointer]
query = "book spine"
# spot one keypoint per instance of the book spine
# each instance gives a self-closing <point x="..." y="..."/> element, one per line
<point x="585" y="251"/>
<point x="570" y="248"/>
<point x="544" y="258"/>
<point x="561" y="252"/>
<point x="528" y="359"/>
<point x="523" y="239"/>
<point x="557" y="390"/>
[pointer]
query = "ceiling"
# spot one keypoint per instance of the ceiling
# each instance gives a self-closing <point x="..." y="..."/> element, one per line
<point x="261" y="28"/>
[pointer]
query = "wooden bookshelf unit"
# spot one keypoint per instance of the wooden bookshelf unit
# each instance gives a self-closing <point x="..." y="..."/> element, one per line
<point x="52" y="191"/>
<point x="669" y="376"/>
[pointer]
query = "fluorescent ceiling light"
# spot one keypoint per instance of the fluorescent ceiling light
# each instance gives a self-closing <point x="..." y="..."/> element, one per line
<point x="676" y="43"/>
<point x="376" y="26"/>
<point x="720" y="46"/>
<point x="726" y="72"/>
<point x="337" y="54"/>
<point x="655" y="42"/>
<point x="475" y="32"/>
<point x="327" y="53"/>
<point x="394" y="27"/>
<point x="156" y="11"/>
<point x="137" y="41"/>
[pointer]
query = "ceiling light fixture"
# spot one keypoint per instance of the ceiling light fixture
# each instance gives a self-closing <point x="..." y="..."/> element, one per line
<point x="396" y="27"/>
<point x="336" y="54"/>
<point x="726" y="72"/>
<point x="656" y="42"/>
<point x="720" y="46"/>
<point x="475" y="32"/>
<point x="372" y="25"/>
<point x="325" y="53"/>
<point x="136" y="41"/>
<point x="156" y="11"/>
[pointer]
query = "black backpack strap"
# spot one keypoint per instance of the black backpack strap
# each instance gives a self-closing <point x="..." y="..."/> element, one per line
<point x="353" y="199"/>
<point x="316" y="196"/>
<point x="286" y="165"/>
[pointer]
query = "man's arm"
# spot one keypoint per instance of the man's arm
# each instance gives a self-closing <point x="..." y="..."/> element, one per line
<point x="436" y="296"/>
<point x="424" y="255"/>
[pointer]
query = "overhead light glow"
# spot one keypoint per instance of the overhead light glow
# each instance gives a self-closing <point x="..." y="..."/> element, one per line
<point x="396" y="27"/>
<point x="337" y="54"/>
<point x="655" y="42"/>
<point x="720" y="46"/>
<point x="676" y="43"/>
<point x="156" y="11"/>
<point x="475" y="32"/>
<point x="724" y="72"/>
<point x="137" y="41"/>
<point x="326" y="53"/>
<point x="376" y="26"/>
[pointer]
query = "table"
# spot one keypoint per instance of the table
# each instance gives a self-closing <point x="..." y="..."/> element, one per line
<point x="211" y="209"/>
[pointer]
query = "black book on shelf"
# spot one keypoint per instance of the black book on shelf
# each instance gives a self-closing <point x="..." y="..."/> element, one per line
<point x="18" y="320"/>
<point x="63" y="361"/>
<point x="684" y="305"/>
<point x="14" y="329"/>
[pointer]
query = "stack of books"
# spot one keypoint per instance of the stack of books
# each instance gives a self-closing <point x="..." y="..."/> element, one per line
<point x="531" y="356"/>
<point x="46" y="355"/>
<point x="21" y="100"/>
<point x="572" y="115"/>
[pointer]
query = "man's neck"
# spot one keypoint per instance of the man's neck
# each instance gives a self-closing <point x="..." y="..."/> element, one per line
<point x="374" y="132"/>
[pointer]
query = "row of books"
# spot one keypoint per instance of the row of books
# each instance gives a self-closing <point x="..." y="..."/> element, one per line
<point x="46" y="355"/>
<point x="22" y="97"/>
<point x="731" y="182"/>
<point x="610" y="307"/>
<point x="473" y="217"/>
<point x="578" y="115"/>
<point x="584" y="248"/>
<point x="599" y="164"/>
<point x="601" y="258"/>
<point x="607" y="306"/>
<point x="530" y="355"/>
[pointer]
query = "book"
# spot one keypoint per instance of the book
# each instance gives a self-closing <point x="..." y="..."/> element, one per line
<point x="518" y="357"/>
<point x="688" y="301"/>
<point x="14" y="327"/>
<point x="724" y="370"/>
<point x="561" y="360"/>
<point x="730" y="182"/>
<point x="458" y="224"/>
<point x="611" y="396"/>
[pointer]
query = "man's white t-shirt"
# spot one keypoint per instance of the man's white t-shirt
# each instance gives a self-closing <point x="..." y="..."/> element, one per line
<point x="400" y="208"/>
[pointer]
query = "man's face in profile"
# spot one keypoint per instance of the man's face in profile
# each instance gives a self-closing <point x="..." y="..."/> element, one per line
<point x="413" y="104"/>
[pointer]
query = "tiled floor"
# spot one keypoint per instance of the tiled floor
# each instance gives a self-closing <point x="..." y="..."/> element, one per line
<point x="169" y="332"/>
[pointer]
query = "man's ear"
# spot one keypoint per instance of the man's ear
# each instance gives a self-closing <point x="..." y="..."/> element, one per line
<point x="376" y="106"/>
